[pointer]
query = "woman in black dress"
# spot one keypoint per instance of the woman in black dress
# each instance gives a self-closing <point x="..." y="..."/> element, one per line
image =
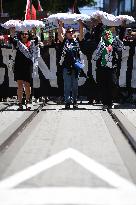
<point x="23" y="64"/>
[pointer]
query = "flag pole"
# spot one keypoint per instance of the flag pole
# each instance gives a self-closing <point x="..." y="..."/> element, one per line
<point x="31" y="9"/>
<point x="75" y="6"/>
<point x="1" y="7"/>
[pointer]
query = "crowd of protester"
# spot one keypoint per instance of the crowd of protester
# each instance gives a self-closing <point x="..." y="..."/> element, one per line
<point x="101" y="38"/>
<point x="50" y="38"/>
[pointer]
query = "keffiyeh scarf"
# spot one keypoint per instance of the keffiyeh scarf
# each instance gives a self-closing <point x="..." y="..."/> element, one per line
<point x="107" y="46"/>
<point x="23" y="49"/>
<point x="32" y="53"/>
<point x="70" y="46"/>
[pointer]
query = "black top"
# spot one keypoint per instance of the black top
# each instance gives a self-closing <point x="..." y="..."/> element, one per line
<point x="23" y="65"/>
<point x="70" y="52"/>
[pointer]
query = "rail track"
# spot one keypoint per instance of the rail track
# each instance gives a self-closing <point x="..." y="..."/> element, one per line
<point x="128" y="130"/>
<point x="24" y="120"/>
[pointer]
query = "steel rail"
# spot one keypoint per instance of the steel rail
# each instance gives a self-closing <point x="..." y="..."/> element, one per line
<point x="21" y="127"/>
<point x="128" y="130"/>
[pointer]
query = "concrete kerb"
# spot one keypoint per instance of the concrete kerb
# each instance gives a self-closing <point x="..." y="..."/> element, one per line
<point x="125" y="125"/>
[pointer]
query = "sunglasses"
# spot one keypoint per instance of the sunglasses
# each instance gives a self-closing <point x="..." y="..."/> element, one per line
<point x="70" y="32"/>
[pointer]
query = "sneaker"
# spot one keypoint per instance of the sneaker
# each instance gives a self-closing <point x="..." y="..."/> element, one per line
<point x="28" y="107"/>
<point x="67" y="106"/>
<point x="105" y="107"/>
<point x="91" y="102"/>
<point x="20" y="107"/>
<point x="36" y="100"/>
<point x="46" y="99"/>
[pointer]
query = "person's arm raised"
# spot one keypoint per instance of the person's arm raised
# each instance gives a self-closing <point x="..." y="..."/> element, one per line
<point x="60" y="31"/>
<point x="81" y="35"/>
<point x="12" y="32"/>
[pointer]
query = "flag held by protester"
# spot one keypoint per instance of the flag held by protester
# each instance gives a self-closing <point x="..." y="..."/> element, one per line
<point x="30" y="11"/>
<point x="39" y="6"/>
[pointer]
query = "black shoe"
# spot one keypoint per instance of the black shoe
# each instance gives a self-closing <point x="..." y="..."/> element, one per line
<point x="105" y="107"/>
<point x="75" y="105"/>
<point x="110" y="106"/>
<point x="67" y="106"/>
<point x="91" y="102"/>
<point x="20" y="107"/>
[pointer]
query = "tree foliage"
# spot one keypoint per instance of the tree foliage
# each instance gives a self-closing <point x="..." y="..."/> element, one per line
<point x="63" y="5"/>
<point x="16" y="8"/>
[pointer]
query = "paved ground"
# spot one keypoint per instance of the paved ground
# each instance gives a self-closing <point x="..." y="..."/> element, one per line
<point x="69" y="148"/>
<point x="130" y="114"/>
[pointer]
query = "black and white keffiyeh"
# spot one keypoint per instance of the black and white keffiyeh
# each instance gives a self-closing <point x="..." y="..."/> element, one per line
<point x="23" y="49"/>
<point x="117" y="45"/>
<point x="32" y="53"/>
<point x="70" y="46"/>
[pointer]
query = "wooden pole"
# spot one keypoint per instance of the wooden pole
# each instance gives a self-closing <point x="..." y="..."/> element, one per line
<point x="74" y="6"/>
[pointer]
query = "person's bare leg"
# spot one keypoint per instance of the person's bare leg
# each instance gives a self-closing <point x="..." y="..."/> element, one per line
<point x="20" y="90"/>
<point x="27" y="90"/>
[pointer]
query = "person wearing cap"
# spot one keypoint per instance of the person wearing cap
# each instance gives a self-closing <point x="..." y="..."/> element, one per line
<point x="71" y="50"/>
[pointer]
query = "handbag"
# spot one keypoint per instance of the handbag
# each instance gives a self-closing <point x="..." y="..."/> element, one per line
<point x="78" y="64"/>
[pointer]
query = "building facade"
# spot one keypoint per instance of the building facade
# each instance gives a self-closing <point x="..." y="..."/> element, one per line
<point x="118" y="7"/>
<point x="121" y="7"/>
<point x="110" y="6"/>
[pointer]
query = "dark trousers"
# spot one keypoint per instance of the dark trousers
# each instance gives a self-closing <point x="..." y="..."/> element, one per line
<point x="106" y="82"/>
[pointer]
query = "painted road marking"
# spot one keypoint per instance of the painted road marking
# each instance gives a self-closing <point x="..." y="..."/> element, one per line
<point x="88" y="163"/>
<point x="124" y="192"/>
<point x="69" y="196"/>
